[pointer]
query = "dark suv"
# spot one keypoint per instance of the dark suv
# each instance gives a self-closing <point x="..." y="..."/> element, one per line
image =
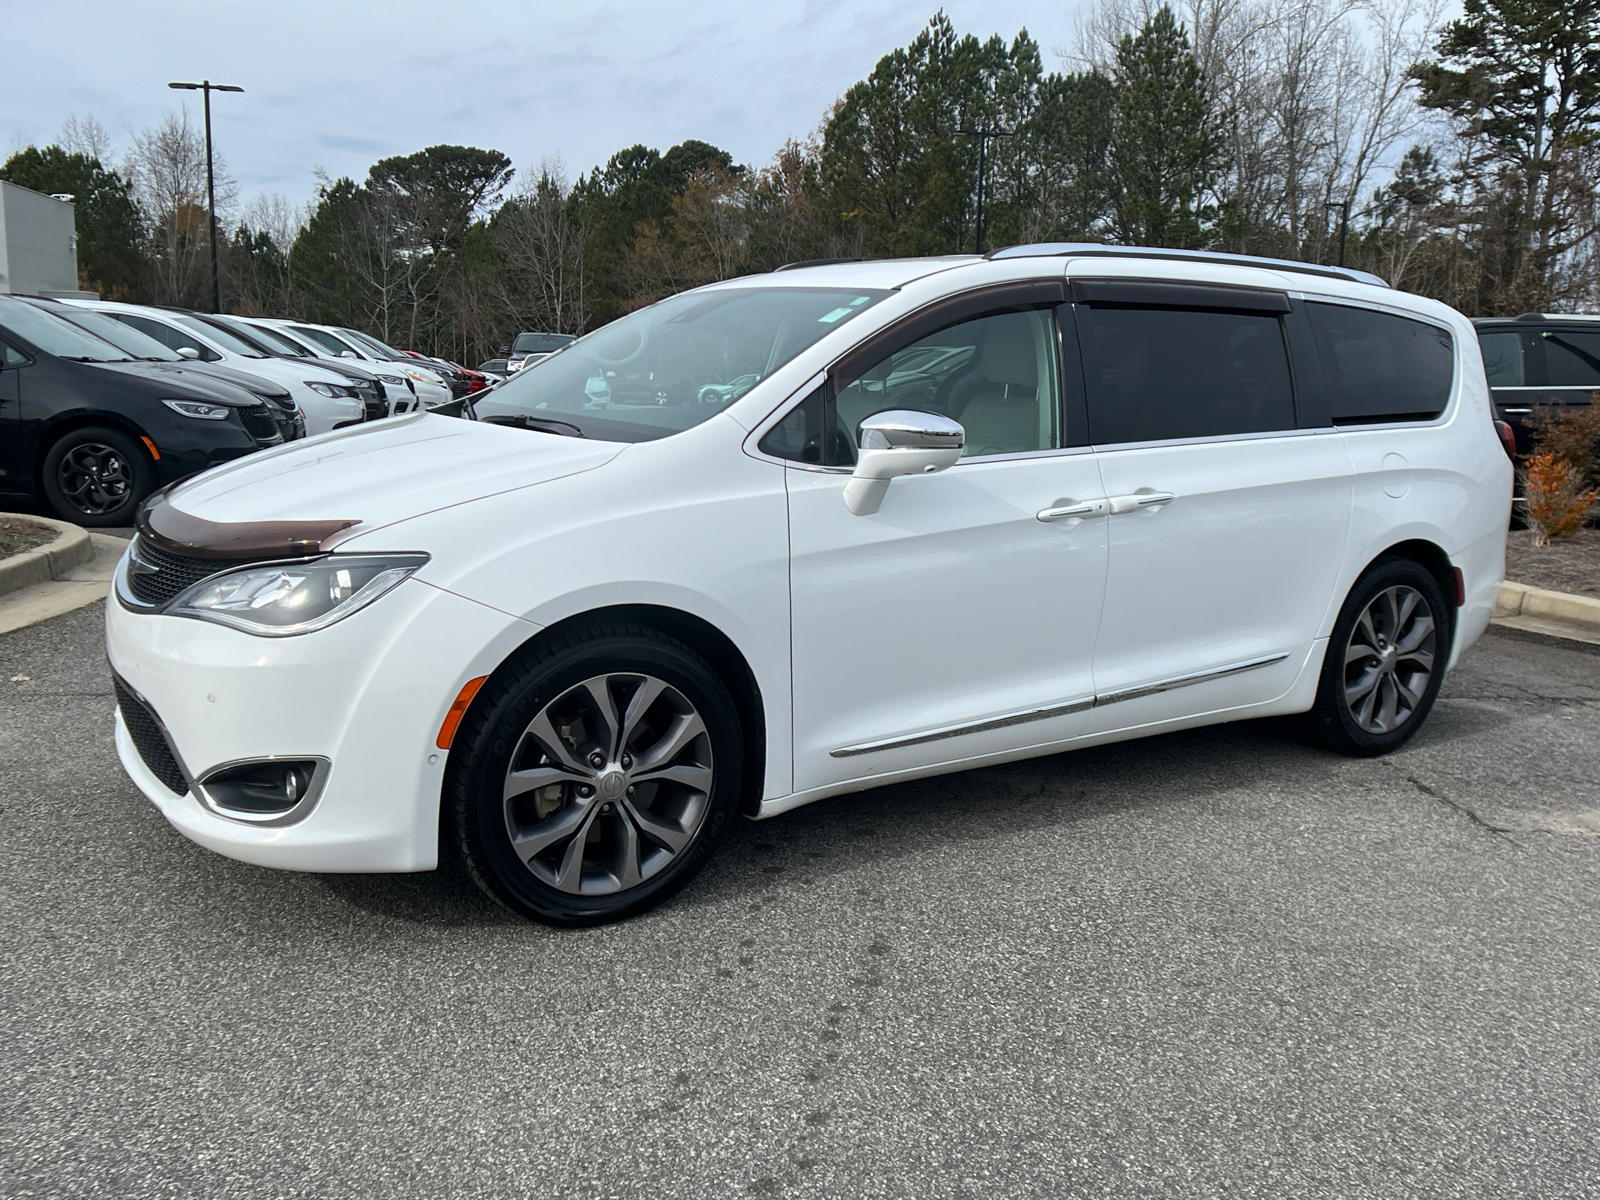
<point x="1539" y="361"/>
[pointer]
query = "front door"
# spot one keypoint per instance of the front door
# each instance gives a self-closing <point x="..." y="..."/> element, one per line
<point x="953" y="622"/>
<point x="1227" y="524"/>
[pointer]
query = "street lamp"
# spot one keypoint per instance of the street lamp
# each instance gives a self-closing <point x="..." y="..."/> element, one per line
<point x="1344" y="221"/>
<point x="984" y="136"/>
<point x="206" y="86"/>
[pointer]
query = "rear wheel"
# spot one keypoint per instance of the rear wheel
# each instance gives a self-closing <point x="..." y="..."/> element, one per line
<point x="595" y="775"/>
<point x="1385" y="661"/>
<point x="97" y="476"/>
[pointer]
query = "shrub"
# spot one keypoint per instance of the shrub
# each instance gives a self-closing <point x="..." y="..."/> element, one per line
<point x="1557" y="503"/>
<point x="1572" y="436"/>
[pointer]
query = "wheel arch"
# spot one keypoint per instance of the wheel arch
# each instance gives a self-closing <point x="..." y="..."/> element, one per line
<point x="713" y="645"/>
<point x="67" y="422"/>
<point x="1431" y="557"/>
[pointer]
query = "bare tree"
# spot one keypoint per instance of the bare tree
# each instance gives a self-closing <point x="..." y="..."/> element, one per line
<point x="167" y="167"/>
<point x="541" y="244"/>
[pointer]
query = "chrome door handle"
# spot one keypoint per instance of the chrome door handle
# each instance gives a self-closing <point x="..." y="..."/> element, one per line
<point x="1089" y="508"/>
<point x="1133" y="503"/>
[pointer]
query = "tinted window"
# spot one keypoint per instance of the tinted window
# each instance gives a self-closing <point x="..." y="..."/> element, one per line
<point x="10" y="357"/>
<point x="1381" y="367"/>
<point x="124" y="337"/>
<point x="1572" y="357"/>
<point x="1156" y="374"/>
<point x="540" y="343"/>
<point x="55" y="336"/>
<point x="228" y="341"/>
<point x="1502" y="357"/>
<point x="273" y="340"/>
<point x="324" y="339"/>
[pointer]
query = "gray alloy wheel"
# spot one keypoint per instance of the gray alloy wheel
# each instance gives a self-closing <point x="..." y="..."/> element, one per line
<point x="95" y="478"/>
<point x="607" y="784"/>
<point x="1389" y="659"/>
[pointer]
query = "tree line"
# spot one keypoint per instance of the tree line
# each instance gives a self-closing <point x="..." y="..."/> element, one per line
<point x="1458" y="160"/>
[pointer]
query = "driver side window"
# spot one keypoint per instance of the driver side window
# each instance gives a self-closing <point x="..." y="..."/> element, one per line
<point x="172" y="339"/>
<point x="995" y="374"/>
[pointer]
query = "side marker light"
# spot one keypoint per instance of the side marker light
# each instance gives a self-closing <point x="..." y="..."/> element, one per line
<point x="452" y="719"/>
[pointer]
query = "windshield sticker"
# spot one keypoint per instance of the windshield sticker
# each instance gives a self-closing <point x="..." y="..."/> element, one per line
<point x="836" y="314"/>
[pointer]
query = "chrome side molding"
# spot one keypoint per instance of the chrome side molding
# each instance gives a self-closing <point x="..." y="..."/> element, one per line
<point x="939" y="733"/>
<point x="1025" y="715"/>
<point x="1194" y="677"/>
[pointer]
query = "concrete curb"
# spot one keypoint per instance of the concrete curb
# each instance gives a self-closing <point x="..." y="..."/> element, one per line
<point x="1550" y="614"/>
<point x="72" y="548"/>
<point x="77" y="588"/>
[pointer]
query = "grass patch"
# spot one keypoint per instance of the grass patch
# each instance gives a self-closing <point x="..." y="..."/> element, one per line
<point x="17" y="535"/>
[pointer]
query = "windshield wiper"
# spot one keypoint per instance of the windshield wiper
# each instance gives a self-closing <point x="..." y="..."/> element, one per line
<point x="540" y="424"/>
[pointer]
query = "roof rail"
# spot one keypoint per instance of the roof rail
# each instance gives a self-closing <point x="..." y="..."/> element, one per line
<point x="1097" y="250"/>
<point x="814" y="262"/>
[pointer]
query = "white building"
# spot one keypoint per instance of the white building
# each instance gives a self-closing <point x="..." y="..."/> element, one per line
<point x="38" y="244"/>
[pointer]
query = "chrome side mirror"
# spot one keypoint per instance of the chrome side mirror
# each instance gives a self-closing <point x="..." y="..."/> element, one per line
<point x="188" y="352"/>
<point x="899" y="442"/>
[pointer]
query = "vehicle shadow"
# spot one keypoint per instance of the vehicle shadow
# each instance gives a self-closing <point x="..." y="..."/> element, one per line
<point x="882" y="824"/>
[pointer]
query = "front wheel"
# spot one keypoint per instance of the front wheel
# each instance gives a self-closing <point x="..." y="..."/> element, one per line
<point x="1385" y="660"/>
<point x="594" y="775"/>
<point x="97" y="477"/>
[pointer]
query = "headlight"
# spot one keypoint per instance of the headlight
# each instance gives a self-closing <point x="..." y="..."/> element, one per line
<point x="298" y="597"/>
<point x="195" y="408"/>
<point x="396" y="380"/>
<point x="338" y="390"/>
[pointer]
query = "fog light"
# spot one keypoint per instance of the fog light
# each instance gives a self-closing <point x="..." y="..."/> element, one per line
<point x="265" y="789"/>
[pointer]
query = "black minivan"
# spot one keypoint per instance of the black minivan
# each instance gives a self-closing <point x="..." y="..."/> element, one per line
<point x="1539" y="361"/>
<point x="92" y="429"/>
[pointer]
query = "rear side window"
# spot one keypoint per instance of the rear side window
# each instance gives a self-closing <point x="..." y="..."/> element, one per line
<point x="1502" y="358"/>
<point x="1381" y="367"/>
<point x="1571" y="357"/>
<point x="1159" y="373"/>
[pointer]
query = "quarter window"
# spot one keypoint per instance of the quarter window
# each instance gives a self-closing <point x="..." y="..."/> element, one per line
<point x="1572" y="357"/>
<point x="1160" y="373"/>
<point x="1381" y="367"/>
<point x="1502" y="358"/>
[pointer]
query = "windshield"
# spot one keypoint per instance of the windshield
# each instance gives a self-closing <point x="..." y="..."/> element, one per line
<point x="540" y="343"/>
<point x="55" y="336"/>
<point x="324" y="339"/>
<point x="123" y="337"/>
<point x="228" y="341"/>
<point x="273" y="340"/>
<point x="669" y="367"/>
<point x="372" y="344"/>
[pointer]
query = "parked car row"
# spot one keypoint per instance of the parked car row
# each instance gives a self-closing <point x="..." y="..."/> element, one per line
<point x="102" y="402"/>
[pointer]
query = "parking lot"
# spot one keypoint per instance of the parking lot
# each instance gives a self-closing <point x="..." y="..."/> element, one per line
<point x="1209" y="963"/>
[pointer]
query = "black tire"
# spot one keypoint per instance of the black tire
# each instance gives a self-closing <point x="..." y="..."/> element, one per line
<point x="475" y="819"/>
<point x="111" y="498"/>
<point x="1335" y="720"/>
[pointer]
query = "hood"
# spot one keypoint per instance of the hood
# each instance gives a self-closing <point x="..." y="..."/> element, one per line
<point x="179" y="381"/>
<point x="385" y="471"/>
<point x="255" y="384"/>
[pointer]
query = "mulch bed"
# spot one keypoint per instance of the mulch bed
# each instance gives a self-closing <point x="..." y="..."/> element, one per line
<point x="1568" y="565"/>
<point x="17" y="535"/>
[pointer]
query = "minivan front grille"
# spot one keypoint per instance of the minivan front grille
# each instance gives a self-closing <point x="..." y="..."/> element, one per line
<point x="145" y="730"/>
<point x="261" y="425"/>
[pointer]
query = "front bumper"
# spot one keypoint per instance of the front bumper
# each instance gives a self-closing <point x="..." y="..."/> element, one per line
<point x="368" y="694"/>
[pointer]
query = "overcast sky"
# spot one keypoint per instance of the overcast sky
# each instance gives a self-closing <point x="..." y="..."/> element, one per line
<point x="338" y="84"/>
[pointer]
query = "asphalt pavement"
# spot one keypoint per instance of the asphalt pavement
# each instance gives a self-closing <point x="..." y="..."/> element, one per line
<point x="1218" y="963"/>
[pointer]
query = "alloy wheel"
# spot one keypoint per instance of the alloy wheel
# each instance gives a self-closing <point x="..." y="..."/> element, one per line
<point x="608" y="784"/>
<point x="1388" y="661"/>
<point x="95" y="478"/>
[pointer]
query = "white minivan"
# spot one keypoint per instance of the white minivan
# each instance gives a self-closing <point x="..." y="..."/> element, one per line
<point x="801" y="534"/>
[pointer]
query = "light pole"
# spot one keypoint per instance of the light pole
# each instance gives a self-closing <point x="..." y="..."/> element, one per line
<point x="984" y="136"/>
<point x="207" y="87"/>
<point x="1344" y="223"/>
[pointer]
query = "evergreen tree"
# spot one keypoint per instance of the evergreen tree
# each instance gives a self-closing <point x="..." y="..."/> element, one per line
<point x="107" y="220"/>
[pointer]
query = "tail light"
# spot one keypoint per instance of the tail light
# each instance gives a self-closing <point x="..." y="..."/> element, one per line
<point x="1508" y="440"/>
